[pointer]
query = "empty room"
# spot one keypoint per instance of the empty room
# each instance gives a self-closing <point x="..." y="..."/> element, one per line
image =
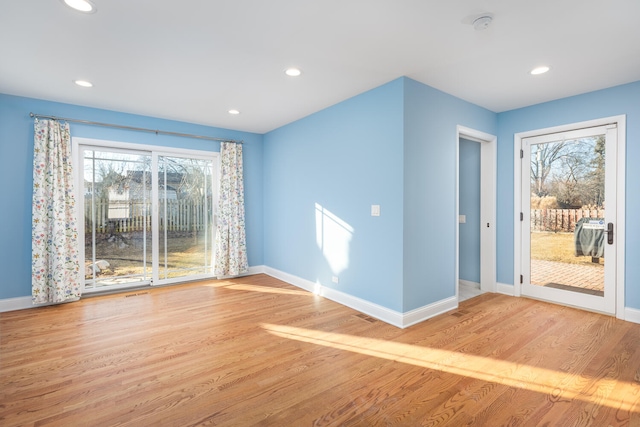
<point x="337" y="213"/>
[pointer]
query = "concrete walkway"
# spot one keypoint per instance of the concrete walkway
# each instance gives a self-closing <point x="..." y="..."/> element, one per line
<point x="562" y="275"/>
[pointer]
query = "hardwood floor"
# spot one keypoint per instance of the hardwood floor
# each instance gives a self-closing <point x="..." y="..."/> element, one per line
<point x="256" y="351"/>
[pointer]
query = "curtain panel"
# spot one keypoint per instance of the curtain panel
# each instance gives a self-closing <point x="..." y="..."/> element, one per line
<point x="55" y="266"/>
<point x="231" y="248"/>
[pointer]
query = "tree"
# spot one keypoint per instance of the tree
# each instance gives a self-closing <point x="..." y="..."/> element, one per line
<point x="596" y="176"/>
<point x="541" y="162"/>
<point x="571" y="171"/>
<point x="569" y="174"/>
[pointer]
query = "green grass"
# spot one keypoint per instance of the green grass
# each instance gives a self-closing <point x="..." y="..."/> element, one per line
<point x="558" y="247"/>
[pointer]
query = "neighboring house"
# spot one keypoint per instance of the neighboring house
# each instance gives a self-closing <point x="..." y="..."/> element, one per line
<point x="127" y="196"/>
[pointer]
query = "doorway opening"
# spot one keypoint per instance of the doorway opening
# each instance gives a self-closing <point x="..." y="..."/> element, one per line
<point x="478" y="256"/>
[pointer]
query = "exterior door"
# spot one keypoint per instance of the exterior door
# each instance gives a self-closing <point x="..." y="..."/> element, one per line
<point x="185" y="217"/>
<point x="149" y="214"/>
<point x="569" y="218"/>
<point x="116" y="205"/>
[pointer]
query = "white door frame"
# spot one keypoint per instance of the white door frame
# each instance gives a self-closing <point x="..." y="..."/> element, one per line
<point x="619" y="241"/>
<point x="488" y="182"/>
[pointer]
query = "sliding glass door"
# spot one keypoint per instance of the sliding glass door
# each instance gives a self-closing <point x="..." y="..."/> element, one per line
<point x="148" y="214"/>
<point x="185" y="201"/>
<point x="117" y="221"/>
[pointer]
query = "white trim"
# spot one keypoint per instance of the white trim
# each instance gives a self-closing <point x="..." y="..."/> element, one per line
<point x="620" y="121"/>
<point x="19" y="303"/>
<point x="517" y="202"/>
<point x="620" y="228"/>
<point x="428" y="311"/>
<point x="379" y="312"/>
<point x="296" y="281"/>
<point x="632" y="315"/>
<point x="147" y="148"/>
<point x="506" y="289"/>
<point x="488" y="189"/>
<point x="22" y="303"/>
<point x="402" y="320"/>
<point x="258" y="269"/>
<point x="488" y="214"/>
<point x="469" y="283"/>
<point x="392" y="317"/>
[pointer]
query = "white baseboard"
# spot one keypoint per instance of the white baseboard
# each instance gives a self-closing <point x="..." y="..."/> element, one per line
<point x="392" y="317"/>
<point x="401" y="320"/>
<point x="257" y="269"/>
<point x="428" y="311"/>
<point x="10" y="304"/>
<point x="469" y="283"/>
<point x="387" y="315"/>
<point x="296" y="281"/>
<point x="505" y="289"/>
<point x="21" y="303"/>
<point x="632" y="315"/>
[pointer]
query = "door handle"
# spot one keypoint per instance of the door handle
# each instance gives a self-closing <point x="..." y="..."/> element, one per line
<point x="610" y="233"/>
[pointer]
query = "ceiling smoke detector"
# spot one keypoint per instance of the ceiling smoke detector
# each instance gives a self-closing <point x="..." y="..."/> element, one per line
<point x="482" y="23"/>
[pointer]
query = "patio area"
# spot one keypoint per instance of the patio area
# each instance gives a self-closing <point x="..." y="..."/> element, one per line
<point x="575" y="277"/>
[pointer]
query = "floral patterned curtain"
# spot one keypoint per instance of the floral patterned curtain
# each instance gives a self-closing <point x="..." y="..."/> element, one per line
<point x="231" y="247"/>
<point x="55" y="267"/>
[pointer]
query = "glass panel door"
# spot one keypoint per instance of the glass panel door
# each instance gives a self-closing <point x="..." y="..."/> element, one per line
<point x="185" y="200"/>
<point x="117" y="218"/>
<point x="149" y="215"/>
<point x="568" y="210"/>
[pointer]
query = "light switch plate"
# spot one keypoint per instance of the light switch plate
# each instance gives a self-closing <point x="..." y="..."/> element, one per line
<point x="462" y="219"/>
<point x="375" y="210"/>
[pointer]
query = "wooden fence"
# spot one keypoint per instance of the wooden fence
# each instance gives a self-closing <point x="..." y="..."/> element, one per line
<point x="558" y="220"/>
<point x="126" y="217"/>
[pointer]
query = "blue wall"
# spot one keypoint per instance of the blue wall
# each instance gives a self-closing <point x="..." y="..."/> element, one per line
<point x="615" y="101"/>
<point x="469" y="205"/>
<point x="16" y="174"/>
<point x="317" y="178"/>
<point x="321" y="176"/>
<point x="430" y="221"/>
<point x="394" y="146"/>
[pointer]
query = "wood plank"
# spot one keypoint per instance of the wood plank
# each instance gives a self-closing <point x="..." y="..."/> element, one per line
<point x="257" y="351"/>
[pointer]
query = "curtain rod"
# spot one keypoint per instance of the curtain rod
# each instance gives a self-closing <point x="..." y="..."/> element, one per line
<point x="156" y="131"/>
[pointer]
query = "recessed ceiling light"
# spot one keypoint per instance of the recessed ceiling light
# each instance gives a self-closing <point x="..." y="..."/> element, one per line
<point x="81" y="5"/>
<point x="539" y="70"/>
<point x="292" y="72"/>
<point x="234" y="112"/>
<point x="83" y="83"/>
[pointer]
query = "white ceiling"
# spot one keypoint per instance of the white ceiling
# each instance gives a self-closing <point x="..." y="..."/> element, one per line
<point x="193" y="60"/>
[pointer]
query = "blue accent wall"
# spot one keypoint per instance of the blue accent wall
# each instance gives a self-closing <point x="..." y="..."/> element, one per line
<point x="469" y="205"/>
<point x="394" y="146"/>
<point x="16" y="173"/>
<point x="619" y="100"/>
<point x="321" y="175"/>
<point x="430" y="221"/>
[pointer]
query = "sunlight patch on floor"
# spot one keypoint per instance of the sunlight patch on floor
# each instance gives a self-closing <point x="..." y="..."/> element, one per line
<point x="256" y="288"/>
<point x="511" y="374"/>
